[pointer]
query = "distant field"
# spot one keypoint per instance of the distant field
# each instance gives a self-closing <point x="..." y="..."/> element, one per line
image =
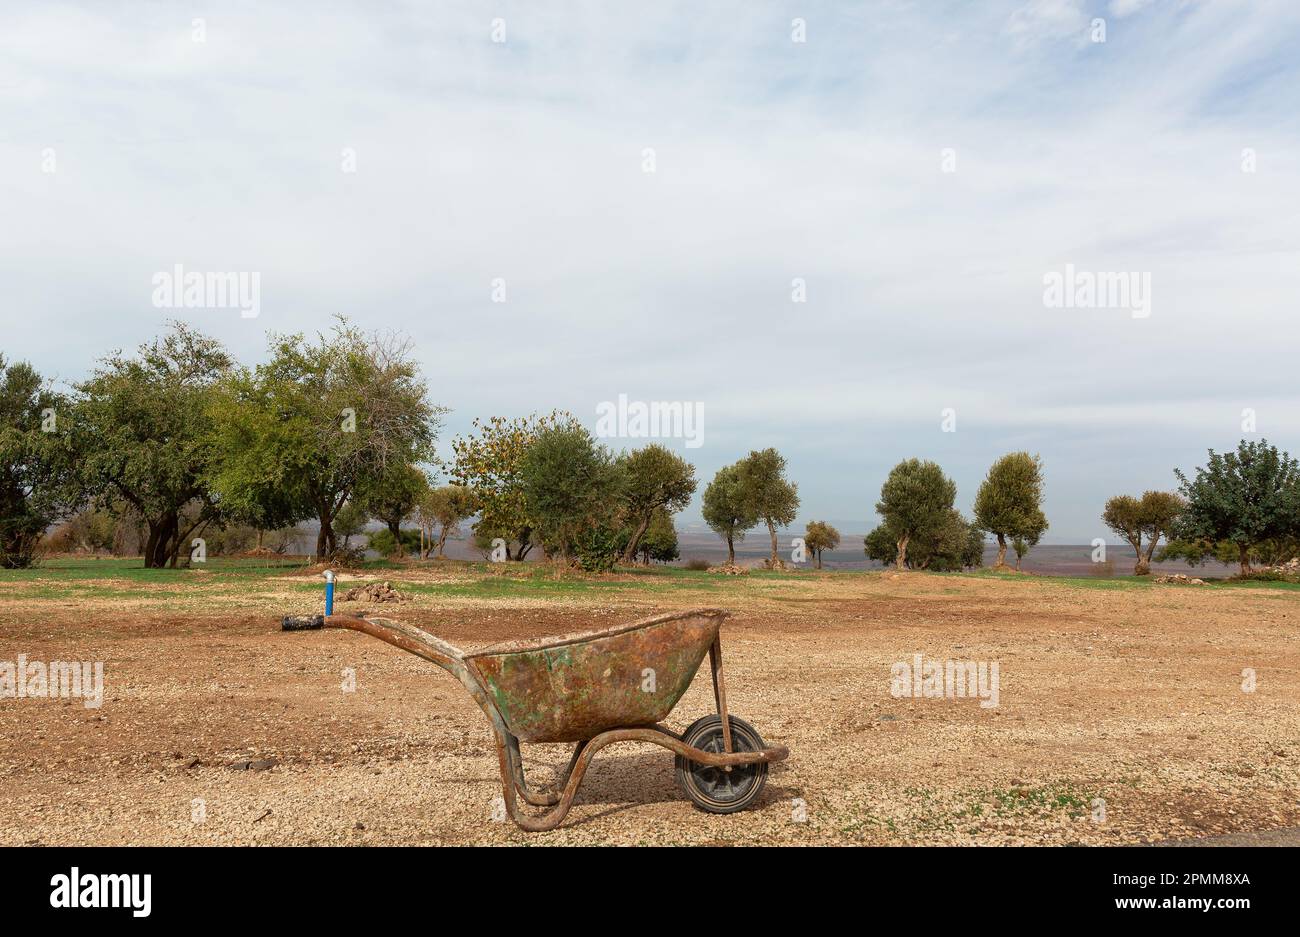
<point x="1118" y="692"/>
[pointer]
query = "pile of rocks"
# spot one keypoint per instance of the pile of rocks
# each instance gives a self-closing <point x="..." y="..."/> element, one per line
<point x="1290" y="568"/>
<point x="729" y="569"/>
<point x="1180" y="579"/>
<point x="374" y="592"/>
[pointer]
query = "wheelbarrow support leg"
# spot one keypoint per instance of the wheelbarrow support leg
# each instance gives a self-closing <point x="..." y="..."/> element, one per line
<point x="720" y="692"/>
<point x="547" y="796"/>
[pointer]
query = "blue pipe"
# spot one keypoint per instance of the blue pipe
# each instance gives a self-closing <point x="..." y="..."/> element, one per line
<point x="329" y="592"/>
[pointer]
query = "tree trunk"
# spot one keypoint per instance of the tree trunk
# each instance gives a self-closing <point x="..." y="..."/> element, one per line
<point x="819" y="565"/>
<point x="442" y="540"/>
<point x="900" y="561"/>
<point x="731" y="553"/>
<point x="1144" y="564"/>
<point x="324" y="537"/>
<point x="161" y="544"/>
<point x="1244" y="555"/>
<point x="1002" y="552"/>
<point x="771" y="529"/>
<point x="1017" y="562"/>
<point x="630" y="551"/>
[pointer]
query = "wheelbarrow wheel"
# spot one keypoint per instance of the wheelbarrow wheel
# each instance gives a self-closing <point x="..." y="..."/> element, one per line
<point x="718" y="790"/>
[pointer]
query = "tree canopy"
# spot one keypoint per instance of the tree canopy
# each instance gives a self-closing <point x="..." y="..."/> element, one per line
<point x="1147" y="518"/>
<point x="728" y="510"/>
<point x="1244" y="498"/>
<point x="771" y="496"/>
<point x="1009" y="502"/>
<point x="915" y="502"/>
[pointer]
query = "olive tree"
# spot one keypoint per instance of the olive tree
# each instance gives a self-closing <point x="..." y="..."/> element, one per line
<point x="569" y="483"/>
<point x="1009" y="502"/>
<point x="654" y="479"/>
<point x="915" y="502"/>
<point x="727" y="509"/>
<point x="771" y="495"/>
<point x="1148" y="518"/>
<point x="820" y="536"/>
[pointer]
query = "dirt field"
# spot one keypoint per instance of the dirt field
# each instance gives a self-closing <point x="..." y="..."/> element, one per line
<point x="1131" y="694"/>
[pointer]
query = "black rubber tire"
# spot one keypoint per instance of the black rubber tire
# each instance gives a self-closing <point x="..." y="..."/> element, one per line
<point x="715" y="789"/>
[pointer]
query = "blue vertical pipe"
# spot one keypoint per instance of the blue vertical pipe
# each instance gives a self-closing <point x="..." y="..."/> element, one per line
<point x="329" y="592"/>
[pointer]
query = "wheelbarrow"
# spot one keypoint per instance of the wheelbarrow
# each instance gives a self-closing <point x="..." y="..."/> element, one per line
<point x="594" y="689"/>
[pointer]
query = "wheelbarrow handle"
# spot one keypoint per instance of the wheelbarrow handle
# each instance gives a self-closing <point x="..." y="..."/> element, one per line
<point x="408" y="637"/>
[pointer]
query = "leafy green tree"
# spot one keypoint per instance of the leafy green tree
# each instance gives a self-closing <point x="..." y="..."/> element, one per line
<point x="772" y="497"/>
<point x="350" y="521"/>
<point x="915" y="502"/>
<point x="393" y="496"/>
<point x="660" y="541"/>
<point x="952" y="546"/>
<point x="1021" y="547"/>
<point x="972" y="553"/>
<point x="384" y="543"/>
<point x="820" y="536"/>
<point x="34" y="462"/>
<point x="1151" y="517"/>
<point x="1009" y="502"/>
<point x="445" y="508"/>
<point x="881" y="545"/>
<point x="728" y="510"/>
<point x="569" y="484"/>
<point x="488" y="464"/>
<point x="654" y="479"/>
<point x="322" y="423"/>
<point x="1244" y="498"/>
<point x="142" y="435"/>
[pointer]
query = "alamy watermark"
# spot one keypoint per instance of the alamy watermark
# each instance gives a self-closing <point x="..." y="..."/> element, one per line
<point x="656" y="419"/>
<point x="24" y="679"/>
<point x="1083" y="289"/>
<point x="181" y="289"/>
<point x="945" y="679"/>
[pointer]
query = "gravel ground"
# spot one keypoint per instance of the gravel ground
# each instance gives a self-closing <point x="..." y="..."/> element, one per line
<point x="1127" y="699"/>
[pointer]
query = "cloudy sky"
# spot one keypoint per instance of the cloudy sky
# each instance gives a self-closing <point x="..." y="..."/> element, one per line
<point x="919" y="166"/>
